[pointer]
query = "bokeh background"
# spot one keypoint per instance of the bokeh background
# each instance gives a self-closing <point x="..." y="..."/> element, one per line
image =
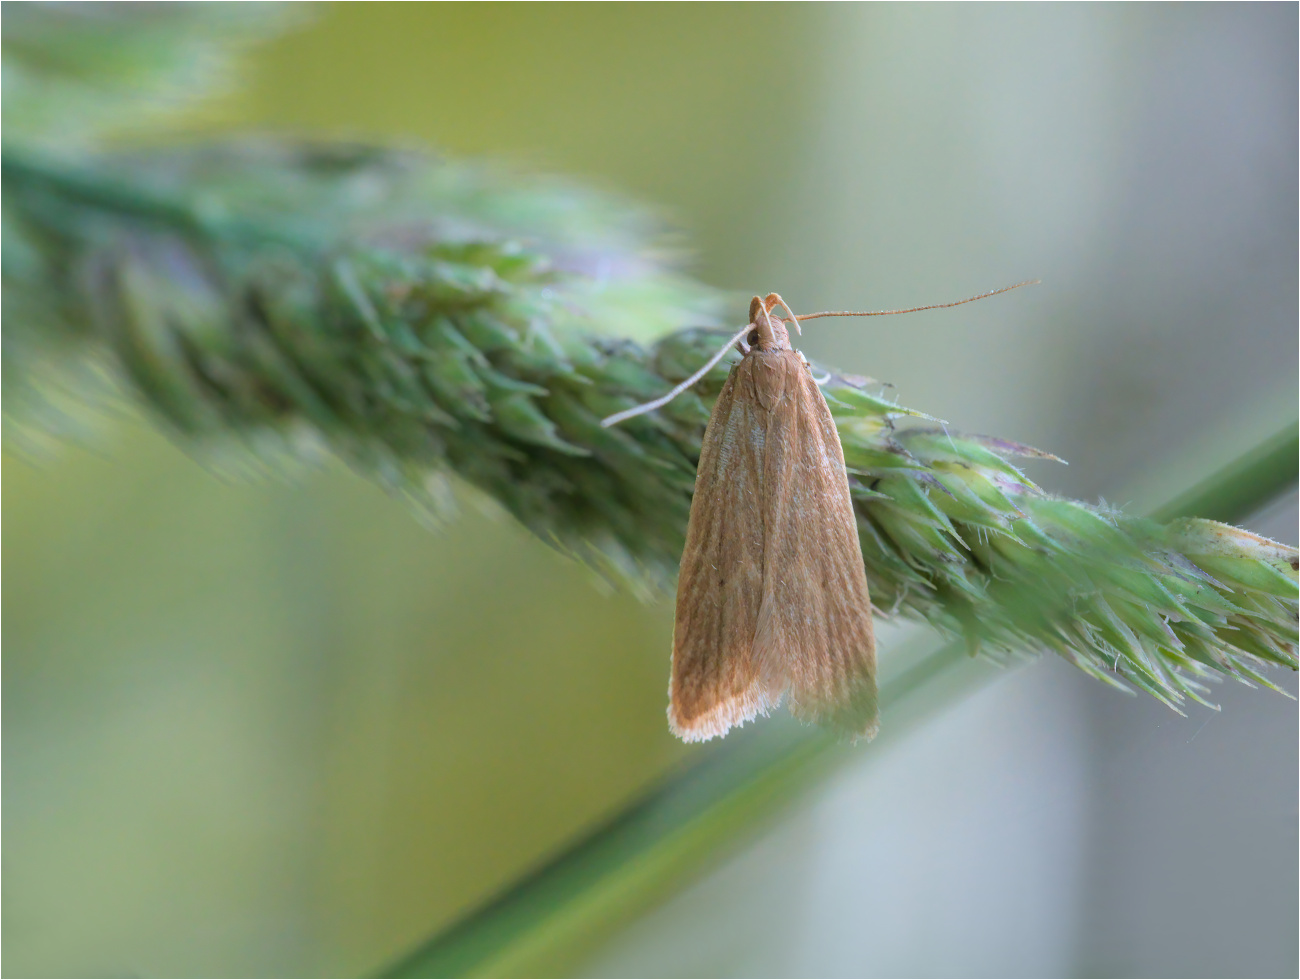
<point x="276" y="727"/>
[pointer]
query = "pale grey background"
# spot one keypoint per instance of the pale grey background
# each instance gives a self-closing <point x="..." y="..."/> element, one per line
<point x="1141" y="161"/>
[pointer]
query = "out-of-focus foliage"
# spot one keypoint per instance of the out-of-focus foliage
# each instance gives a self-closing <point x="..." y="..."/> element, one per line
<point x="412" y="315"/>
<point x="75" y="73"/>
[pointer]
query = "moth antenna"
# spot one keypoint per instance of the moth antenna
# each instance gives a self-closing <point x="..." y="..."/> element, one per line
<point x="665" y="399"/>
<point x="913" y="309"/>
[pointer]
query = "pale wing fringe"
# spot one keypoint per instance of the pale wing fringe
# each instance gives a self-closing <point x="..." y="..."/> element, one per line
<point x="730" y="713"/>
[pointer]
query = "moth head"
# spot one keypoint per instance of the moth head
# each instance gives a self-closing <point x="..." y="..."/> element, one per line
<point x="768" y="333"/>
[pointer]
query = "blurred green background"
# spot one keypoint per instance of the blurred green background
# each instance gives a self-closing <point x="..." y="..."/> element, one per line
<point x="275" y="727"/>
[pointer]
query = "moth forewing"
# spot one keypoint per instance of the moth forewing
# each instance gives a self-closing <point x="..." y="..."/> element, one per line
<point x="816" y="613"/>
<point x="715" y="681"/>
<point x="772" y="592"/>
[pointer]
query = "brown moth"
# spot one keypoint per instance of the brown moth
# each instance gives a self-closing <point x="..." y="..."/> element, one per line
<point x="772" y="595"/>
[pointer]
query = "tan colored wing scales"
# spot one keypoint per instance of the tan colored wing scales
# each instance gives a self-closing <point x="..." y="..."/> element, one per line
<point x="815" y="618"/>
<point x="716" y="682"/>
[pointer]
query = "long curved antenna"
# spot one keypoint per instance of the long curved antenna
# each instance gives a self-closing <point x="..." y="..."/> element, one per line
<point x="665" y="399"/>
<point x="722" y="351"/>
<point x="914" y="309"/>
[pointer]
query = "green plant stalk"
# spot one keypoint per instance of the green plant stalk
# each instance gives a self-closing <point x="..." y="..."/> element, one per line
<point x="1259" y="473"/>
<point x="423" y="319"/>
<point x="545" y="924"/>
<point x="549" y="920"/>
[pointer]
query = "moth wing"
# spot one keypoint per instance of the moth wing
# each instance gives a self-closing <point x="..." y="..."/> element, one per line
<point x="815" y="618"/>
<point x="716" y="681"/>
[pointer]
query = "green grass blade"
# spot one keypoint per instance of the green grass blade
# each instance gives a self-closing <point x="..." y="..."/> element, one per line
<point x="549" y="919"/>
<point x="1257" y="475"/>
